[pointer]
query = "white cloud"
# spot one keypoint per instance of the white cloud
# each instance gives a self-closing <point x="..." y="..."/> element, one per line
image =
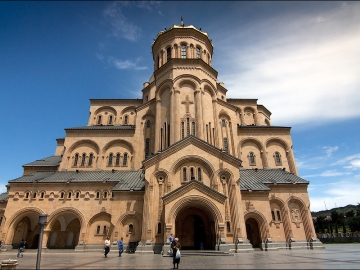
<point x="327" y="173"/>
<point x="341" y="193"/>
<point x="330" y="149"/>
<point x="125" y="64"/>
<point x="121" y="27"/>
<point x="346" y="160"/>
<point x="305" y="70"/>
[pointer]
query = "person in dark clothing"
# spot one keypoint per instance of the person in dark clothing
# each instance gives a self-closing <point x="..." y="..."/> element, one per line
<point x="21" y="249"/>
<point x="175" y="245"/>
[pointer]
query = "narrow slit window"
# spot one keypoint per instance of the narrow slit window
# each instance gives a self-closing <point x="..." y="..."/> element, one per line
<point x="199" y="174"/>
<point x="278" y="215"/>
<point x="110" y="159"/>
<point x="91" y="156"/>
<point x="197" y="52"/>
<point x="99" y="120"/>
<point x="182" y="130"/>
<point x="105" y="230"/>
<point x="110" y="120"/>
<point x="131" y="228"/>
<point x="117" y="161"/>
<point x="125" y="159"/>
<point x="126" y="120"/>
<point x="184" y="174"/>
<point x="147" y="147"/>
<point x="148" y="123"/>
<point x="76" y="158"/>
<point x="252" y="158"/>
<point x="83" y="158"/>
<point x="183" y="51"/>
<point x="226" y="149"/>
<point x="187" y="126"/>
<point x="193" y="128"/>
<point x="98" y="230"/>
<point x="192" y="176"/>
<point x="277" y="158"/>
<point x="168" y="54"/>
<point x="273" y="215"/>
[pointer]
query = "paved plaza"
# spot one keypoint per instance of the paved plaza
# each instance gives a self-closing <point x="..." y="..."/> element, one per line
<point x="334" y="256"/>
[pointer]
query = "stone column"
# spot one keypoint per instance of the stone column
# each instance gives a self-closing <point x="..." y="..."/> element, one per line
<point x="198" y="115"/>
<point x="176" y="127"/>
<point x="216" y="124"/>
<point x="290" y="159"/>
<point x="157" y="125"/>
<point x="45" y="238"/>
<point x="242" y="122"/>
<point x="256" y="119"/>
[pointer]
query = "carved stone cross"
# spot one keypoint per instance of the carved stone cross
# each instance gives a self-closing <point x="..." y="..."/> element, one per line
<point x="187" y="102"/>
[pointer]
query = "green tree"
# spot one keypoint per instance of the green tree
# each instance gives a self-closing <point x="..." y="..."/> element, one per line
<point x="335" y="216"/>
<point x="336" y="228"/>
<point x="350" y="213"/>
<point x="344" y="228"/>
<point x="353" y="223"/>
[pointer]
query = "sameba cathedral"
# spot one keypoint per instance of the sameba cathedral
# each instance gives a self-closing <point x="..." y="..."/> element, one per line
<point x="185" y="159"/>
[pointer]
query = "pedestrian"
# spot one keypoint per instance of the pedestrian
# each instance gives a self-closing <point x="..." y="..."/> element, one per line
<point x="21" y="249"/>
<point x="175" y="245"/>
<point x="171" y="239"/>
<point x="121" y="246"/>
<point x="107" y="246"/>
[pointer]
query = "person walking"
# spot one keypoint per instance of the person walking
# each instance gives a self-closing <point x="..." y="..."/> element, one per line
<point x="121" y="246"/>
<point x="21" y="249"/>
<point x="171" y="239"/>
<point x="175" y="245"/>
<point x="107" y="246"/>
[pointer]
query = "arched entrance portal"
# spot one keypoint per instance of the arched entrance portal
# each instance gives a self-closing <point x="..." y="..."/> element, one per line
<point x="252" y="232"/>
<point x="65" y="232"/>
<point x="195" y="229"/>
<point x="28" y="229"/>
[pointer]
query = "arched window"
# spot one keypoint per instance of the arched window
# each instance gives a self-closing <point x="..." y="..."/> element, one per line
<point x="98" y="230"/>
<point x="83" y="157"/>
<point x="62" y="195"/>
<point x="273" y="215"/>
<point x="76" y="159"/>
<point x="199" y="174"/>
<point x="192" y="176"/>
<point x="193" y="128"/>
<point x="131" y="228"/>
<point x="27" y="194"/>
<point x="223" y="123"/>
<point x="125" y="159"/>
<point x="105" y="194"/>
<point x="99" y="120"/>
<point x="159" y="228"/>
<point x="97" y="194"/>
<point x="147" y="147"/>
<point x="277" y="158"/>
<point x="168" y="54"/>
<point x="110" y="159"/>
<point x="91" y="156"/>
<point x="251" y="158"/>
<point x="42" y="195"/>
<point x="77" y="195"/>
<point x="187" y="126"/>
<point x="105" y="230"/>
<point x="34" y="196"/>
<point x="226" y="149"/>
<point x="117" y="160"/>
<point x="158" y="61"/>
<point x="278" y="215"/>
<point x="110" y="120"/>
<point x="228" y="228"/>
<point x="184" y="174"/>
<point x="126" y="119"/>
<point x="183" y="51"/>
<point x="148" y="123"/>
<point x="182" y="130"/>
<point x="69" y="195"/>
<point x="198" y="53"/>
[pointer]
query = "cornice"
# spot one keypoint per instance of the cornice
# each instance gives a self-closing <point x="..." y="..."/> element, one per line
<point x="228" y="105"/>
<point x="192" y="140"/>
<point x="145" y="105"/>
<point x="181" y="192"/>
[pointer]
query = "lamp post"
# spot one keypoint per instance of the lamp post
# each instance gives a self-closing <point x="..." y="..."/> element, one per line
<point x="42" y="223"/>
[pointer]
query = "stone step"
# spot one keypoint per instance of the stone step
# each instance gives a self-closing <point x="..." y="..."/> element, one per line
<point x="202" y="253"/>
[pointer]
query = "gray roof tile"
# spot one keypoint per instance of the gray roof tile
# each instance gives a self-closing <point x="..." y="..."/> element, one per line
<point x="259" y="179"/>
<point x="123" y="180"/>
<point x="49" y="161"/>
<point x="4" y="197"/>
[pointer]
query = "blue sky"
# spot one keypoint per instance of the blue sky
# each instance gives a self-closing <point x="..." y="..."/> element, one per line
<point x="301" y="60"/>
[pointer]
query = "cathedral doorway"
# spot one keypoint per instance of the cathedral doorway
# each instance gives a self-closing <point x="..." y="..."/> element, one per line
<point x="195" y="229"/>
<point x="253" y="232"/>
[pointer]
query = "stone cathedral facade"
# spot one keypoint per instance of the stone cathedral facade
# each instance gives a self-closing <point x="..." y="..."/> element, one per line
<point x="185" y="159"/>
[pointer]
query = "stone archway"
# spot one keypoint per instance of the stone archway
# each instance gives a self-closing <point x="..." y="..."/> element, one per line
<point x="195" y="229"/>
<point x="253" y="232"/>
<point x="65" y="231"/>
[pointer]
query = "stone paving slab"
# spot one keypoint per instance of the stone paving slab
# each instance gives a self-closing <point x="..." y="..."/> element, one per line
<point x="334" y="256"/>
